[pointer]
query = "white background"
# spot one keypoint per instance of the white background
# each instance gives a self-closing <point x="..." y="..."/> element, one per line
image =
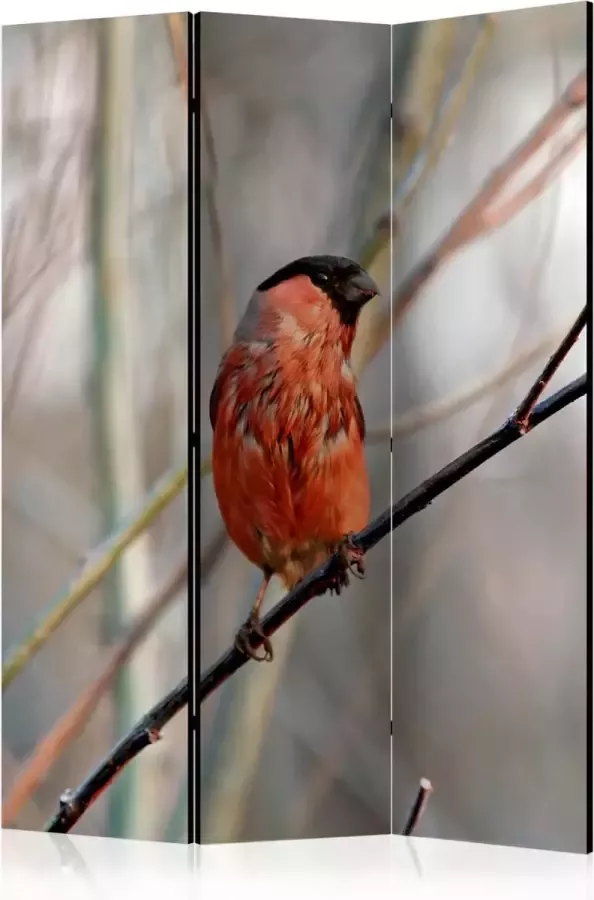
<point x="46" y="866"/>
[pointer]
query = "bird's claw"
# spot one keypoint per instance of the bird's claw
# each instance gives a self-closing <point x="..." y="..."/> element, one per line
<point x="352" y="555"/>
<point x="352" y="559"/>
<point x="339" y="581"/>
<point x="243" y="641"/>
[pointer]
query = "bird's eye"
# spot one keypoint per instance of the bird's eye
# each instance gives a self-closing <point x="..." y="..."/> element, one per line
<point x="323" y="277"/>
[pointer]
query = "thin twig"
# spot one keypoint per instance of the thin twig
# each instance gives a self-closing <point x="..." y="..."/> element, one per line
<point x="56" y="742"/>
<point x="417" y="419"/>
<point x="179" y="46"/>
<point x="99" y="562"/>
<point x="422" y="798"/>
<point x="74" y="803"/>
<point x="318" y="581"/>
<point x="523" y="413"/>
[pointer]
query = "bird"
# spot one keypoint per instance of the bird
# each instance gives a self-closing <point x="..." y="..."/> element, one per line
<point x="288" y="460"/>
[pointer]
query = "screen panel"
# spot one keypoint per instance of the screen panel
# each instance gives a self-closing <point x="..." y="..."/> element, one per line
<point x="491" y="600"/>
<point x="94" y="562"/>
<point x="294" y="163"/>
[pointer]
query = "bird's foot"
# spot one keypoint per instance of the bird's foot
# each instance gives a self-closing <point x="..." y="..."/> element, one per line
<point x="339" y="581"/>
<point x="243" y="640"/>
<point x="353" y="556"/>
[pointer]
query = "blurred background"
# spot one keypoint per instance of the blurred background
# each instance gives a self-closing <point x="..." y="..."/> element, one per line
<point x="488" y="584"/>
<point x="94" y="207"/>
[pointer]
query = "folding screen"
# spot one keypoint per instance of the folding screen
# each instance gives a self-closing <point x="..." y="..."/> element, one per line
<point x="386" y="230"/>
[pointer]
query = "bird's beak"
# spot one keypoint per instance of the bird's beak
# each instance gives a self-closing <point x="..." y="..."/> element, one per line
<point x="361" y="288"/>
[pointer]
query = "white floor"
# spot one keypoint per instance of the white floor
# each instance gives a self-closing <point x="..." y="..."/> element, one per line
<point x="48" y="866"/>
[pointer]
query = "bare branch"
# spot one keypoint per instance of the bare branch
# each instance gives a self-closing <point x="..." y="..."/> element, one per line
<point x="422" y="798"/>
<point x="148" y="731"/>
<point x="497" y="218"/>
<point x="523" y="413"/>
<point x="319" y="581"/>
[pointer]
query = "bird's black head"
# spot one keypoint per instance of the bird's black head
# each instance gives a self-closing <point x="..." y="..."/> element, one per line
<point x="346" y="284"/>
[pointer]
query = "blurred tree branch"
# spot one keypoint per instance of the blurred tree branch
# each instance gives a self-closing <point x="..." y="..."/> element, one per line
<point x="179" y="46"/>
<point x="448" y="106"/>
<point x="98" y="563"/>
<point x="65" y="731"/>
<point x="488" y="211"/>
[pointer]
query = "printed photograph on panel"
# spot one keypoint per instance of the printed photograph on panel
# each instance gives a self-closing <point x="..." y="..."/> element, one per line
<point x="490" y="594"/>
<point x="94" y="443"/>
<point x="294" y="216"/>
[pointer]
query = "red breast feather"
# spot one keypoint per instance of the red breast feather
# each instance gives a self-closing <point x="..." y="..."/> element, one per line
<point x="288" y="461"/>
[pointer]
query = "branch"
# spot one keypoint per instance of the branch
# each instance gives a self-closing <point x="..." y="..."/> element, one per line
<point x="524" y="411"/>
<point x="53" y="745"/>
<point x="318" y="581"/>
<point x="99" y="562"/>
<point x="425" y="791"/>
<point x="74" y="803"/>
<point x="531" y="190"/>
